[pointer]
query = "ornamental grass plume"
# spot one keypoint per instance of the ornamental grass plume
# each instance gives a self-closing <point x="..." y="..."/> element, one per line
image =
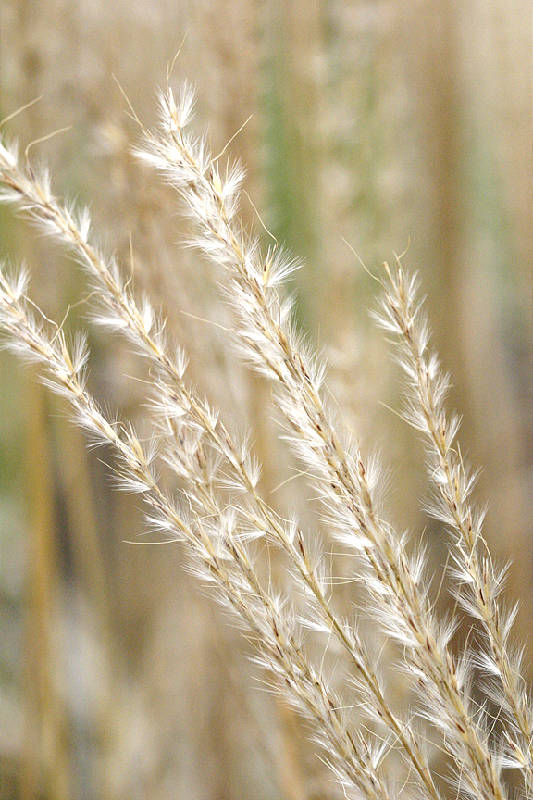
<point x="478" y="582"/>
<point x="217" y="511"/>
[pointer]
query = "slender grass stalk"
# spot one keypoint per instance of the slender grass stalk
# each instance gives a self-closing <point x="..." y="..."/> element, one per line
<point x="345" y="481"/>
<point x="175" y="403"/>
<point x="219" y="554"/>
<point x="89" y="565"/>
<point x="46" y="763"/>
<point x="480" y="581"/>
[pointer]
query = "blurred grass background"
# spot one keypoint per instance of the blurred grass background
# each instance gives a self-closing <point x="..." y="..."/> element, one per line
<point x="381" y="122"/>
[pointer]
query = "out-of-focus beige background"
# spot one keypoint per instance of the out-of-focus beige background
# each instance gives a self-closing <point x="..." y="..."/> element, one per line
<point x="389" y="124"/>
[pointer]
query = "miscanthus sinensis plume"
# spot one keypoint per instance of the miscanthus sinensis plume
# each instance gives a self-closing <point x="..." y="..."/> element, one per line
<point x="220" y="512"/>
<point x="478" y="582"/>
